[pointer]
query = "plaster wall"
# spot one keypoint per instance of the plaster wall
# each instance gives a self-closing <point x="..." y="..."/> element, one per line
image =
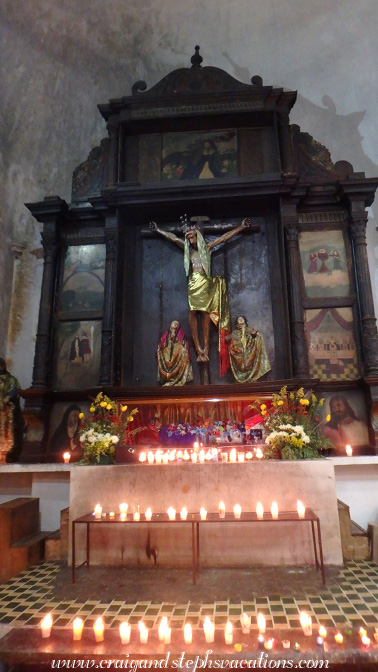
<point x="60" y="58"/>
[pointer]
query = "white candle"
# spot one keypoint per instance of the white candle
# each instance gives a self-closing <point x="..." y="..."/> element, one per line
<point x="365" y="640"/>
<point x="165" y="458"/>
<point x="111" y="514"/>
<point x="233" y="455"/>
<point x="203" y="513"/>
<point x="99" y="629"/>
<point x="259" y="511"/>
<point x="183" y="513"/>
<point x="98" y="511"/>
<point x="66" y="457"/>
<point x="322" y="632"/>
<point x="222" y="510"/>
<point x="339" y="638"/>
<point x="136" y="515"/>
<point x="195" y="445"/>
<point x="249" y="455"/>
<point x="209" y="455"/>
<point x="245" y="622"/>
<point x="301" y="509"/>
<point x="208" y="627"/>
<point x="188" y="635"/>
<point x="261" y="623"/>
<point x="194" y="457"/>
<point x="202" y="456"/>
<point x="148" y="514"/>
<point x="186" y="456"/>
<point x="150" y="457"/>
<point x="269" y="644"/>
<point x="158" y="457"/>
<point x="241" y="457"/>
<point x="362" y="632"/>
<point x="125" y="632"/>
<point x="123" y="507"/>
<point x="162" y="626"/>
<point x="259" y="453"/>
<point x="171" y="455"/>
<point x="228" y="635"/>
<point x="123" y="516"/>
<point x="179" y="456"/>
<point x="171" y="513"/>
<point x="142" y="457"/>
<point x="286" y="643"/>
<point x="349" y="450"/>
<point x="167" y="635"/>
<point x="46" y="625"/>
<point x="274" y="510"/>
<point x="237" y="510"/>
<point x="306" y="623"/>
<point x="143" y="632"/>
<point x="77" y="628"/>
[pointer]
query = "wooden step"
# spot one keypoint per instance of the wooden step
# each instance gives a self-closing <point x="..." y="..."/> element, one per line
<point x="355" y="541"/>
<point x="21" y="540"/>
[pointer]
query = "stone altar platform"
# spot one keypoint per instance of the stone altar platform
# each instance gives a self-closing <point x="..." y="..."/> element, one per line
<point x="204" y="485"/>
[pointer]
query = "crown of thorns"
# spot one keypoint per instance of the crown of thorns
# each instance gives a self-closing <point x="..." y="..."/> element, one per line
<point x="186" y="226"/>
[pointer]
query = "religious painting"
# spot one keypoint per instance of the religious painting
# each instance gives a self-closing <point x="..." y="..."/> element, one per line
<point x="324" y="263"/>
<point x="344" y="422"/>
<point x="189" y="156"/>
<point x="78" y="356"/>
<point x="64" y="433"/>
<point x="83" y="278"/>
<point x="331" y="345"/>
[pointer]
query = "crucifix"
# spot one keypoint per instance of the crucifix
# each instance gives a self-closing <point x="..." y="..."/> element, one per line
<point x="207" y="295"/>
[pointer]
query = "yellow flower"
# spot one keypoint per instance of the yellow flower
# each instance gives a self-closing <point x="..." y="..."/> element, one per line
<point x="130" y="418"/>
<point x="92" y="409"/>
<point x="280" y="402"/>
<point x="123" y="408"/>
<point x="304" y="402"/>
<point x="264" y="413"/>
<point x="328" y="417"/>
<point x="103" y="404"/>
<point x="263" y="407"/>
<point x="109" y="407"/>
<point x="81" y="416"/>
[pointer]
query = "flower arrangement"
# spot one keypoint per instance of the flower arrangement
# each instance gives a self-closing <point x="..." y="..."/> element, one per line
<point x="104" y="428"/>
<point x="294" y="425"/>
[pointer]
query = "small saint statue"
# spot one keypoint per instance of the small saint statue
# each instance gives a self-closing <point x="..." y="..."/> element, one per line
<point x="173" y="357"/>
<point x="248" y="357"/>
<point x="11" y="417"/>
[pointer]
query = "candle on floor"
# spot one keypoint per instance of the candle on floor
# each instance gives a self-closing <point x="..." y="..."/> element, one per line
<point x="188" y="635"/>
<point x="143" y="633"/>
<point x="274" y="510"/>
<point x="222" y="510"/>
<point x="362" y="632"/>
<point x="286" y="643"/>
<point x="260" y="642"/>
<point x="148" y="514"/>
<point x="208" y="628"/>
<point x="77" y="629"/>
<point x="203" y="513"/>
<point x="301" y="509"/>
<point x="183" y="513"/>
<point x="269" y="644"/>
<point x="99" y="629"/>
<point x="261" y="623"/>
<point x="339" y="638"/>
<point x="306" y="623"/>
<point x="66" y="457"/>
<point x="98" y="511"/>
<point x="167" y="635"/>
<point x="125" y="632"/>
<point x="228" y="635"/>
<point x="171" y="513"/>
<point x="365" y="640"/>
<point x="322" y="632"/>
<point x="162" y="626"/>
<point x="245" y="622"/>
<point x="259" y="511"/>
<point x="237" y="510"/>
<point x="46" y="625"/>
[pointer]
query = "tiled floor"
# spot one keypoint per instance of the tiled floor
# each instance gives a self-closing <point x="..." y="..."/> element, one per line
<point x="25" y="599"/>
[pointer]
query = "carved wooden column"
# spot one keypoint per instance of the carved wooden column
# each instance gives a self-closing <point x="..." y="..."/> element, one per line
<point x="365" y="296"/>
<point x="285" y="143"/>
<point x="297" y="331"/>
<point x="107" y="338"/>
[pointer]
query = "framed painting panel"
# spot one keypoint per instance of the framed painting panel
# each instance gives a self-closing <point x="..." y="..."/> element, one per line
<point x="331" y="344"/>
<point x="78" y="356"/>
<point x="324" y="264"/>
<point x="83" y="278"/>
<point x="205" y="155"/>
<point x="345" y="421"/>
<point x="64" y="433"/>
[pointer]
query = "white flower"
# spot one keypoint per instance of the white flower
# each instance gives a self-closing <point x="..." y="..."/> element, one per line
<point x="114" y="438"/>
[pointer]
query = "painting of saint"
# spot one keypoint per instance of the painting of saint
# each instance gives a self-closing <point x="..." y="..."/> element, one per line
<point x="198" y="156"/>
<point x="324" y="263"/>
<point x="83" y="278"/>
<point x="331" y="345"/>
<point x="346" y="423"/>
<point x="78" y="360"/>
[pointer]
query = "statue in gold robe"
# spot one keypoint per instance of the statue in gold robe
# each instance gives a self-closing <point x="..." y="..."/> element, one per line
<point x="248" y="357"/>
<point x="173" y="357"/>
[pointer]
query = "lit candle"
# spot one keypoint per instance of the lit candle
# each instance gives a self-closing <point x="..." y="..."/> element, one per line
<point x="297" y="647"/>
<point x="286" y="643"/>
<point x="162" y="626"/>
<point x="123" y="507"/>
<point x="245" y="622"/>
<point x="171" y="513"/>
<point x="349" y="450"/>
<point x="259" y="511"/>
<point x="66" y="457"/>
<point x="376" y="637"/>
<point x="260" y="642"/>
<point x="188" y="635"/>
<point x="183" y="513"/>
<point x="194" y="457"/>
<point x="233" y="455"/>
<point x="143" y="632"/>
<point x="186" y="456"/>
<point x="195" y="445"/>
<point x="171" y="456"/>
<point x="202" y="456"/>
<point x="222" y="510"/>
<point x="208" y="627"/>
<point x="111" y="514"/>
<point x="249" y="455"/>
<point x="165" y="458"/>
<point x="136" y="515"/>
<point x="142" y="457"/>
<point x="237" y="510"/>
<point x="214" y="454"/>
<point x="365" y="640"/>
<point x="98" y="511"/>
<point x="209" y="455"/>
<point x="99" y="629"/>
<point x="167" y="635"/>
<point x="125" y="632"/>
<point x="339" y="638"/>
<point x="123" y="516"/>
<point x="261" y="623"/>
<point x="301" y="509"/>
<point x="306" y="623"/>
<point x="46" y="625"/>
<point x="320" y="642"/>
<point x="362" y="632"/>
<point x="269" y="644"/>
<point x="241" y="457"/>
<point x="179" y="456"/>
<point x="148" y="514"/>
<point x="77" y="628"/>
<point x="228" y="636"/>
<point x="150" y="457"/>
<point x="274" y="510"/>
<point x="322" y="632"/>
<point x="259" y="453"/>
<point x="158" y="457"/>
<point x="203" y="513"/>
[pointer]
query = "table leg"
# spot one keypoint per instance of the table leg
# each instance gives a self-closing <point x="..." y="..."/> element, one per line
<point x="194" y="557"/>
<point x="317" y="565"/>
<point x="87" y="545"/>
<point x="198" y="547"/>
<point x="73" y="552"/>
<point x="321" y="553"/>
